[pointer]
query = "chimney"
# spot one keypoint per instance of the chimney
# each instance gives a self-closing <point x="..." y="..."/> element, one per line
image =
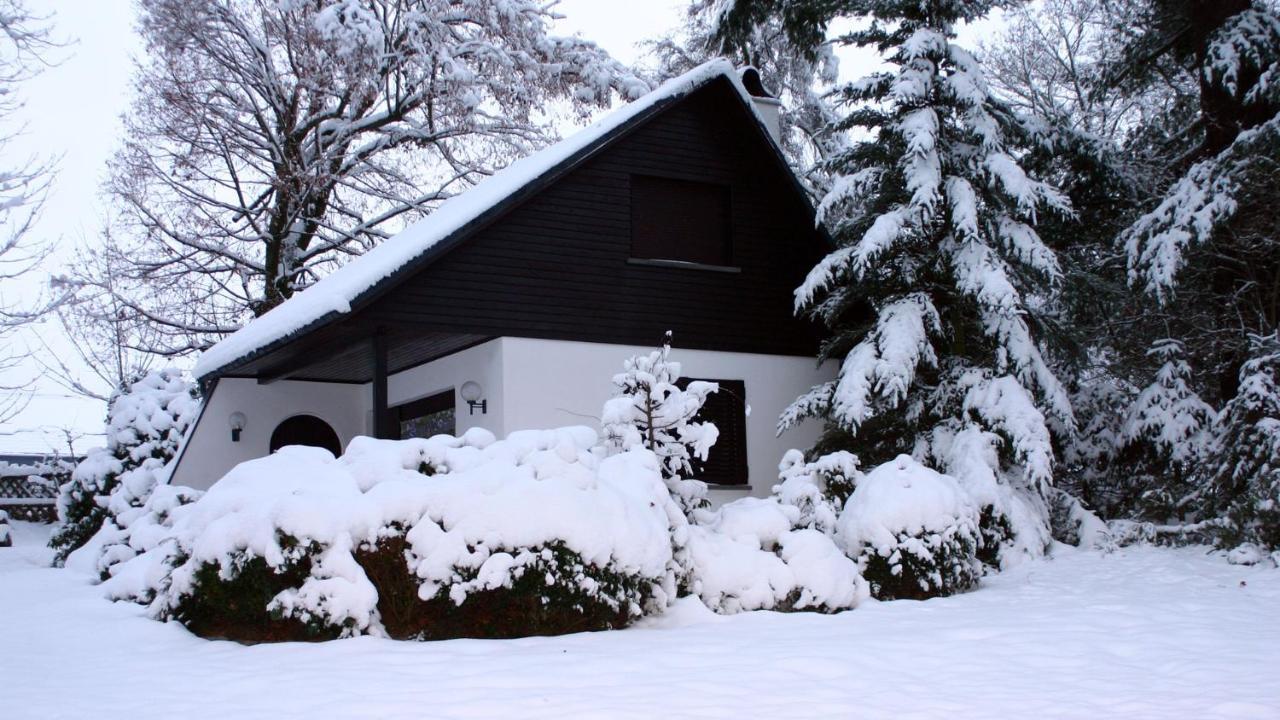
<point x="767" y="106"/>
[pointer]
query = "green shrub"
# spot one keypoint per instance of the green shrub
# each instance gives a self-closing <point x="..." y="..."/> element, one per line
<point x="232" y="602"/>
<point x="146" y="421"/>
<point x="916" y="532"/>
<point x="923" y="566"/>
<point x="994" y="532"/>
<point x="552" y="592"/>
<point x="82" y="503"/>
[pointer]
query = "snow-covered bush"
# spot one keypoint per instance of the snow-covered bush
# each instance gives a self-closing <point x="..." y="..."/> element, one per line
<point x="819" y="489"/>
<point x="1245" y="488"/>
<point x="650" y="410"/>
<point x="754" y="554"/>
<point x="1165" y="440"/>
<point x="1074" y="524"/>
<point x="129" y="533"/>
<point x="6" y="538"/>
<point x="1251" y="554"/>
<point x="80" y="512"/>
<point x="146" y="422"/>
<point x="1014" y="520"/>
<point x="535" y="534"/>
<point x="913" y="530"/>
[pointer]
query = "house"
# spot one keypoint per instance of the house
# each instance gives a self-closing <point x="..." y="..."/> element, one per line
<point x="513" y="304"/>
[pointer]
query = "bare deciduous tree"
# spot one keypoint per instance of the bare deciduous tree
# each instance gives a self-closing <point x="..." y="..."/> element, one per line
<point x="24" y="45"/>
<point x="1051" y="58"/>
<point x="270" y="140"/>
<point x="100" y="344"/>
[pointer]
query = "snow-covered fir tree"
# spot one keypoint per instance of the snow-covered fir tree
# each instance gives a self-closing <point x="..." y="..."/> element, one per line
<point x="1210" y="238"/>
<point x="1087" y="467"/>
<point x="1165" y="438"/>
<point x="146" y="421"/>
<point x="932" y="295"/>
<point x="1246" y="457"/>
<point x="651" y="409"/>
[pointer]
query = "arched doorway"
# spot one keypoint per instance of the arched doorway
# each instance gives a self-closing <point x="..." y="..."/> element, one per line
<point x="306" y="430"/>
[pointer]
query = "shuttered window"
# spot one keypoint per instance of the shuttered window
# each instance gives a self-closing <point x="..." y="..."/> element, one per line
<point x="680" y="220"/>
<point x="726" y="464"/>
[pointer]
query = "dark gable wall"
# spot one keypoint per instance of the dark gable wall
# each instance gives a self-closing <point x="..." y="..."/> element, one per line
<point x="556" y="266"/>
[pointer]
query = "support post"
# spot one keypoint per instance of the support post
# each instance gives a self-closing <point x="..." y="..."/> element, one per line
<point x="381" y="417"/>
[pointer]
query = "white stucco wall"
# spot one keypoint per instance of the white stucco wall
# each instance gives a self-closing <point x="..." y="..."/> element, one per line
<point x="482" y="364"/>
<point x="527" y="383"/>
<point x="209" y="452"/>
<point x="549" y="383"/>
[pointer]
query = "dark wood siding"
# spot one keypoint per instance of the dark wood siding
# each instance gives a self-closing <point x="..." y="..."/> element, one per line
<point x="557" y="265"/>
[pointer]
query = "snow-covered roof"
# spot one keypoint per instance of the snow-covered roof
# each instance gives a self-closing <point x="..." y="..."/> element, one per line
<point x="335" y="294"/>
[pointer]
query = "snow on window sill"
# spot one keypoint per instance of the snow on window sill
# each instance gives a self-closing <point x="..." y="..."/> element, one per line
<point x="683" y="264"/>
<point x="743" y="487"/>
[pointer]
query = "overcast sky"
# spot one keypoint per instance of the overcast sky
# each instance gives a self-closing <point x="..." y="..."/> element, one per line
<point x="73" y="112"/>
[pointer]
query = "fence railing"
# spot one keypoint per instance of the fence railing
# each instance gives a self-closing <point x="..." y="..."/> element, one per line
<point x="29" y="497"/>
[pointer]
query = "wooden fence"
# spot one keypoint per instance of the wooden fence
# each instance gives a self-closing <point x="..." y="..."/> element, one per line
<point x="30" y="497"/>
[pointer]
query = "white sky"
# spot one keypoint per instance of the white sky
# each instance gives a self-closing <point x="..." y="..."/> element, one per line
<point x="73" y="112"/>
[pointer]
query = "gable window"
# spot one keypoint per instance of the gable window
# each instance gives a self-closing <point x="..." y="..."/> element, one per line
<point x="726" y="463"/>
<point x="429" y="416"/>
<point x="680" y="220"/>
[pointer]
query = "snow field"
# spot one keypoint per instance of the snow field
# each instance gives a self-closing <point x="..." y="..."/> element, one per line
<point x="1141" y="633"/>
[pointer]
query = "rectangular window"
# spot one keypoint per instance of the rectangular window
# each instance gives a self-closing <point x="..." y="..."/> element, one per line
<point x="434" y="415"/>
<point x="726" y="463"/>
<point x="680" y="220"/>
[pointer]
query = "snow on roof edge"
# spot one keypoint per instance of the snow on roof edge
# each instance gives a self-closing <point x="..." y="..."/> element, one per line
<point x="335" y="293"/>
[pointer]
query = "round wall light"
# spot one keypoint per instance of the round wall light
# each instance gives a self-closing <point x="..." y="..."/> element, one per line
<point x="472" y="393"/>
<point x="237" y="421"/>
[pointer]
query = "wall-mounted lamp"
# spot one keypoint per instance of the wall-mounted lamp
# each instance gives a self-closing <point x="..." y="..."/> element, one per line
<point x="237" y="421"/>
<point x="471" y="392"/>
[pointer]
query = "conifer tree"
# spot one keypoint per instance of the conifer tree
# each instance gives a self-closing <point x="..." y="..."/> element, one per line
<point x="1246" y="458"/>
<point x="649" y="409"/>
<point x="932" y="294"/>
<point x="1210" y="240"/>
<point x="146" y="421"/>
<point x="1089" y="466"/>
<point x="1165" y="438"/>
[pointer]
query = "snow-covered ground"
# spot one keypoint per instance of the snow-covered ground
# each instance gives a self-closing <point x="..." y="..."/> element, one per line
<point x="1142" y="633"/>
